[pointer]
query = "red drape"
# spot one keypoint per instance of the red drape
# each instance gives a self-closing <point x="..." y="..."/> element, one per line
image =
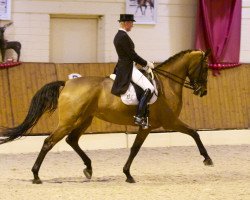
<point x="9" y="64"/>
<point x="218" y="26"/>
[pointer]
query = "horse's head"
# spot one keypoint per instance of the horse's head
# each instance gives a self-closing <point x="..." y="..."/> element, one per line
<point x="2" y="30"/>
<point x="198" y="72"/>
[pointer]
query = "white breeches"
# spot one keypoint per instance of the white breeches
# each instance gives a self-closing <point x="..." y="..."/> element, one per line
<point x="139" y="79"/>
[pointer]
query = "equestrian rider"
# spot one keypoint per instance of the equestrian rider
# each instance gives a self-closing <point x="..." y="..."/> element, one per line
<point x="126" y="71"/>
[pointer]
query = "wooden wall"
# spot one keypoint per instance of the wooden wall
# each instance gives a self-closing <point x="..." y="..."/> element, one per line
<point x="227" y="105"/>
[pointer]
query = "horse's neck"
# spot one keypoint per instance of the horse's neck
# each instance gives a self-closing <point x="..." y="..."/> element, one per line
<point x="2" y="39"/>
<point x="177" y="73"/>
<point x="173" y="83"/>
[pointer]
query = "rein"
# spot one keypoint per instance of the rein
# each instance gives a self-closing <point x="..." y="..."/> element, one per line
<point x="187" y="84"/>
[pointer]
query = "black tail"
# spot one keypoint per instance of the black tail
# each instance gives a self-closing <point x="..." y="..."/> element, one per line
<point x="46" y="99"/>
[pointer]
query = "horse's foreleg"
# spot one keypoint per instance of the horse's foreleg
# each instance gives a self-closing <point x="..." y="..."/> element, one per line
<point x="3" y="54"/>
<point x="47" y="146"/>
<point x="18" y="51"/>
<point x="183" y="128"/>
<point x="73" y="139"/>
<point x="140" y="138"/>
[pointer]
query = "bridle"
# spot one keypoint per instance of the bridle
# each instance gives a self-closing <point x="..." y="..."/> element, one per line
<point x="193" y="84"/>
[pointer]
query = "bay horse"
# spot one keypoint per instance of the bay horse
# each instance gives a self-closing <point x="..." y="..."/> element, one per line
<point x="5" y="44"/>
<point x="79" y="100"/>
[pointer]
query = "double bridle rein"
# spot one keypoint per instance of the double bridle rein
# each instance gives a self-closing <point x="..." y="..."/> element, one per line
<point x="187" y="84"/>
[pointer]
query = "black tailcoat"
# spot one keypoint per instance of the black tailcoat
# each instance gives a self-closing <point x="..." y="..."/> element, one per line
<point x="126" y="55"/>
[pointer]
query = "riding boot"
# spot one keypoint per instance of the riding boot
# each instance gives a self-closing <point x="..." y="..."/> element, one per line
<point x="142" y="108"/>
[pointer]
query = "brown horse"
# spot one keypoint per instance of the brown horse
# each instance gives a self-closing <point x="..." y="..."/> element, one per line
<point x="79" y="100"/>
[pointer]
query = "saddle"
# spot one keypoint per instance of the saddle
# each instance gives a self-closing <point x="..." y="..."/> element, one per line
<point x="134" y="93"/>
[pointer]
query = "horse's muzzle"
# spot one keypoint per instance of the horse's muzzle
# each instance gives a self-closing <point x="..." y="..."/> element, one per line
<point x="200" y="90"/>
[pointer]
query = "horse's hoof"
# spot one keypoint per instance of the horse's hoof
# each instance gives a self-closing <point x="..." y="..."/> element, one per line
<point x="88" y="173"/>
<point x="208" y="162"/>
<point x="37" y="181"/>
<point x="130" y="180"/>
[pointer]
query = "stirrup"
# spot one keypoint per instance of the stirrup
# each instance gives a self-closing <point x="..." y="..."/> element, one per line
<point x="139" y="120"/>
<point x="142" y="121"/>
<point x="146" y="124"/>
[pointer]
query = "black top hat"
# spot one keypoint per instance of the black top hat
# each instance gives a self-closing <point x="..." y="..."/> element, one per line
<point x="126" y="17"/>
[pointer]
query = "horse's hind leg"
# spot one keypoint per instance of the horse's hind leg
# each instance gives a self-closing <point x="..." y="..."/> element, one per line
<point x="183" y="128"/>
<point x="140" y="138"/>
<point x="49" y="142"/>
<point x="73" y="139"/>
<point x="18" y="55"/>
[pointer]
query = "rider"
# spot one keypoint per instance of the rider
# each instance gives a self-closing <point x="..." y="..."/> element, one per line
<point x="126" y="71"/>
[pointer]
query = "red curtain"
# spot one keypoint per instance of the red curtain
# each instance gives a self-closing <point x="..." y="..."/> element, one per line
<point x="218" y="26"/>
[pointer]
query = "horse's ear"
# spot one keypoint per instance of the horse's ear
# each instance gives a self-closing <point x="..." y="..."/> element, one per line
<point x="207" y="52"/>
<point x="6" y="25"/>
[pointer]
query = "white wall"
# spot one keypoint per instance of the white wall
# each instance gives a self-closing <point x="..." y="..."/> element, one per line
<point x="245" y="30"/>
<point x="173" y="32"/>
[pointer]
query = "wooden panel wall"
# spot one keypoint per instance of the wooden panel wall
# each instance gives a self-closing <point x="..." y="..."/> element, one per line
<point x="5" y="106"/>
<point x="227" y="105"/>
<point x="24" y="81"/>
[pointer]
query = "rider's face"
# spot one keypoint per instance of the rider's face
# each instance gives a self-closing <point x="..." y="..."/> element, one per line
<point x="128" y="25"/>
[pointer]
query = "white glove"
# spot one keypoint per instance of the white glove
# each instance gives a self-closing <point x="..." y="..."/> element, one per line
<point x="149" y="71"/>
<point x="150" y="65"/>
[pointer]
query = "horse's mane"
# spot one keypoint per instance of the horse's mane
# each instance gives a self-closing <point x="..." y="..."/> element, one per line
<point x="174" y="57"/>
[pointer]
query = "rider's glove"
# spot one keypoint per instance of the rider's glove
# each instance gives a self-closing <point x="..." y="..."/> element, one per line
<point x="150" y="65"/>
<point x="149" y="71"/>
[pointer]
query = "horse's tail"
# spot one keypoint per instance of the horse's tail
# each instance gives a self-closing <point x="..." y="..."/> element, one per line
<point x="45" y="99"/>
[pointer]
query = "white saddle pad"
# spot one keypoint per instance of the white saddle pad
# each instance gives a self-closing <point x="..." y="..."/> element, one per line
<point x="74" y="75"/>
<point x="130" y="98"/>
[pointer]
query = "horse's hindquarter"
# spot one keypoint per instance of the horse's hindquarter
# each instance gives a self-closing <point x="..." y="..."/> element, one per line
<point x="78" y="97"/>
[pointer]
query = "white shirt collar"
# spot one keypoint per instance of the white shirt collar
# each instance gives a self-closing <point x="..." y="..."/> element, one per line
<point x="122" y="29"/>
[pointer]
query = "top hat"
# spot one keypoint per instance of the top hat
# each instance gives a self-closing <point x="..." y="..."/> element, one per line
<point x="126" y="17"/>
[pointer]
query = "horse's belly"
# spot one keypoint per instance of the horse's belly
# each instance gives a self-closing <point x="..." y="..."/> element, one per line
<point x="117" y="117"/>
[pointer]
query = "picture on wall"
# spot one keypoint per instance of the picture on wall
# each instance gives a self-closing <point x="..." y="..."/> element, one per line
<point x="5" y="9"/>
<point x="144" y="11"/>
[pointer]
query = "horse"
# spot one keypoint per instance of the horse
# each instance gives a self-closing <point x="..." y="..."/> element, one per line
<point x="143" y="3"/>
<point x="79" y="100"/>
<point x="4" y="44"/>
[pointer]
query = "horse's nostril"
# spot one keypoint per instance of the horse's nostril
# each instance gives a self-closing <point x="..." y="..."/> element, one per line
<point x="203" y="93"/>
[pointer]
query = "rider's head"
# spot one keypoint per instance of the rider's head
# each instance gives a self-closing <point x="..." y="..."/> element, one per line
<point x="126" y="21"/>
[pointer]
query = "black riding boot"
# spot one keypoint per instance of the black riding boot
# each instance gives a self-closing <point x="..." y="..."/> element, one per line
<point x="142" y="108"/>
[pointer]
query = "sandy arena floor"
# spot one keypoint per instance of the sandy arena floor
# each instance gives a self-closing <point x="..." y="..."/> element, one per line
<point x="175" y="173"/>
